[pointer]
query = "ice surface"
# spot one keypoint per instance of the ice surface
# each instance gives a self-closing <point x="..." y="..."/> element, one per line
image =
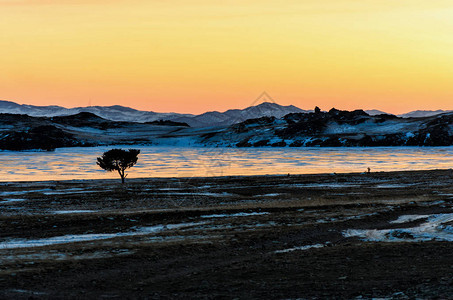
<point x="163" y="161"/>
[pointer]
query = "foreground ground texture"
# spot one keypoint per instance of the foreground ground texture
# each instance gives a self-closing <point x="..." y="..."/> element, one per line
<point x="357" y="236"/>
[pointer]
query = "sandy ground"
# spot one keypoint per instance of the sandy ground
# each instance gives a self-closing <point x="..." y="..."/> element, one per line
<point x="331" y="236"/>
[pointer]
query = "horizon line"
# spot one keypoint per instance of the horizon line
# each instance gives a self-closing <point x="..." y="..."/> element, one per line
<point x="252" y="105"/>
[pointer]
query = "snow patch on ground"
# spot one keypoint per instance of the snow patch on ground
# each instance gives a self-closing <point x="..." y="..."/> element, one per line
<point x="21" y="291"/>
<point x="300" y="248"/>
<point x="64" y="256"/>
<point x="70" y="191"/>
<point x="79" y="211"/>
<point x="346" y="218"/>
<point x="73" y="238"/>
<point x="224" y="194"/>
<point x="326" y="185"/>
<point x="390" y="186"/>
<point x="241" y="214"/>
<point x="23" y="192"/>
<point x="6" y="201"/>
<point x="409" y="218"/>
<point x="437" y="227"/>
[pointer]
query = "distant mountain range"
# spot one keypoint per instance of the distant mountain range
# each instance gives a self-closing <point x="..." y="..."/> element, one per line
<point x="375" y="112"/>
<point x="207" y="119"/>
<point x="326" y="129"/>
<point x="412" y="114"/>
<point x="127" y="114"/>
<point x="114" y="113"/>
<point x="423" y="113"/>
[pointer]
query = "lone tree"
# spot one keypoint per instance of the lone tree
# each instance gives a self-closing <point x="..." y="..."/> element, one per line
<point x="119" y="160"/>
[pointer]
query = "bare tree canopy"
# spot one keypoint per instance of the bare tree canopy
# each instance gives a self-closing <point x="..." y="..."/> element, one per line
<point x="119" y="160"/>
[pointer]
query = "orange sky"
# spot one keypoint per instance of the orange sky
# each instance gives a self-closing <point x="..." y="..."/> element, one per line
<point x="195" y="56"/>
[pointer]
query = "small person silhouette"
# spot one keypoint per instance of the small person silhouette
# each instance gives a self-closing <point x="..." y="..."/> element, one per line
<point x="369" y="170"/>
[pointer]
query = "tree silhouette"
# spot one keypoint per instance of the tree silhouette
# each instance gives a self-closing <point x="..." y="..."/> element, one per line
<point x="119" y="160"/>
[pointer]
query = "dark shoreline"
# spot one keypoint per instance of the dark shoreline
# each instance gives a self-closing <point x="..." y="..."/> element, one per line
<point x="225" y="237"/>
<point x="137" y="179"/>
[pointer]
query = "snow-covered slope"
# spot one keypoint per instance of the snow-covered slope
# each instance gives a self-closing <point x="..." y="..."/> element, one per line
<point x="375" y="112"/>
<point x="423" y="113"/>
<point x="22" y="132"/>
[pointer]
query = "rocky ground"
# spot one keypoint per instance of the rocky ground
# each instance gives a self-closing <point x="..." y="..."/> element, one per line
<point x="331" y="236"/>
<point x="337" y="128"/>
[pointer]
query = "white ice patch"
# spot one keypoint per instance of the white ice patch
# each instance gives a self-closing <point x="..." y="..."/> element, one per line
<point x="409" y="218"/>
<point x="391" y="186"/>
<point x="70" y="191"/>
<point x="80" y="211"/>
<point x="223" y="194"/>
<point x="445" y="194"/>
<point x="300" y="248"/>
<point x="437" y="227"/>
<point x="7" y="201"/>
<point x="23" y="192"/>
<point x="73" y="238"/>
<point x="326" y="185"/>
<point x="340" y="219"/>
<point x="63" y="256"/>
<point x="242" y="214"/>
<point x="27" y="292"/>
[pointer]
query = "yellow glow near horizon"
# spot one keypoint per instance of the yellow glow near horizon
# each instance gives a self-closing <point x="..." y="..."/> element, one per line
<point x="194" y="56"/>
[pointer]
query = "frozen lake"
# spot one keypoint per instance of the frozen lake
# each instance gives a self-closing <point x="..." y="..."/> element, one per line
<point x="155" y="161"/>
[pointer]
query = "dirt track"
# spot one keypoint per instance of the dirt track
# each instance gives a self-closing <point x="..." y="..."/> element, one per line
<point x="273" y="237"/>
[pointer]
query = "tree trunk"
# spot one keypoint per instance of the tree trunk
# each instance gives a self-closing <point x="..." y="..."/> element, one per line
<point x="122" y="175"/>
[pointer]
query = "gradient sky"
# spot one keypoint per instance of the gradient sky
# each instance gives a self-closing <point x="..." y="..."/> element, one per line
<point x="195" y="56"/>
